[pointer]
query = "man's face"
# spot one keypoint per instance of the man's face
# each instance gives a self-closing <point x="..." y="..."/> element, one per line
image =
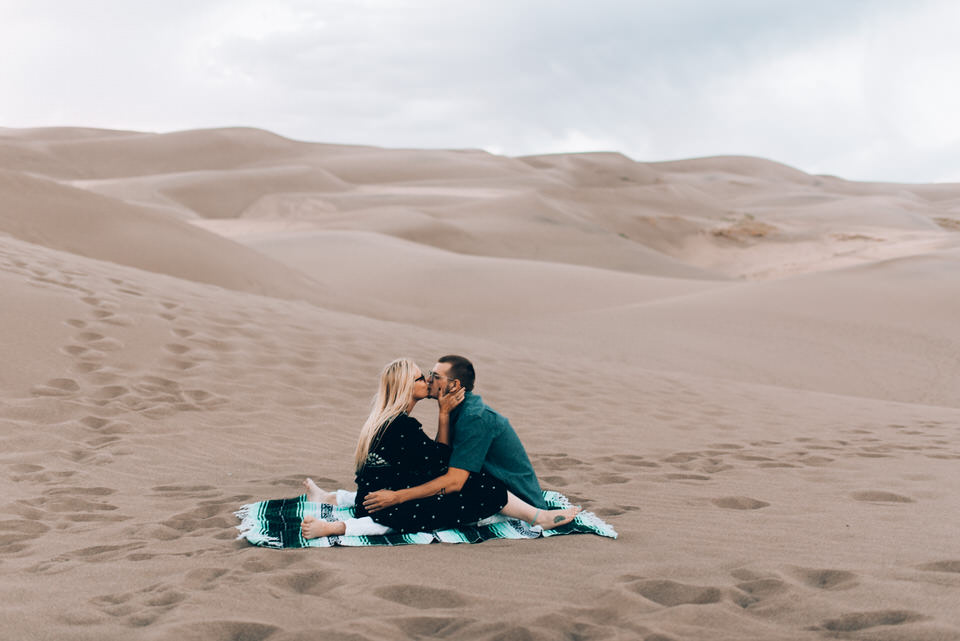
<point x="440" y="380"/>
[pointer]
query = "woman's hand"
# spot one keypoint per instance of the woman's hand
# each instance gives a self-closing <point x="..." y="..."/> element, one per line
<point x="449" y="400"/>
<point x="376" y="501"/>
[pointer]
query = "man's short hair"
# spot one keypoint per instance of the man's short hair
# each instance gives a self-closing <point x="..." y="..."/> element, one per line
<point x="461" y="369"/>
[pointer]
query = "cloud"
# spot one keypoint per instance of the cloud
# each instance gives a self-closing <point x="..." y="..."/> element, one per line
<point x="860" y="89"/>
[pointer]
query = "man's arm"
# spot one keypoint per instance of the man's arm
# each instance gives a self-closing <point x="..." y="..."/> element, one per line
<point x="452" y="481"/>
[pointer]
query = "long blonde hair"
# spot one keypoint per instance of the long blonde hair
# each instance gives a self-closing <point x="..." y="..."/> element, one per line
<point x="393" y="397"/>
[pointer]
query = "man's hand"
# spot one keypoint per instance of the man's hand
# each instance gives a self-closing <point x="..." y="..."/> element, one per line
<point x="449" y="400"/>
<point x="376" y="501"/>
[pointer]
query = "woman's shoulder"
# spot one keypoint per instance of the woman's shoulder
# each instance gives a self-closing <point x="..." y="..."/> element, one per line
<point x="404" y="421"/>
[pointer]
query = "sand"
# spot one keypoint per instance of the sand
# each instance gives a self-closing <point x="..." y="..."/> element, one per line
<point x="749" y="371"/>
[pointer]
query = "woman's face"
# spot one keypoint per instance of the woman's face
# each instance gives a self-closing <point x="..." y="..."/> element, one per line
<point x="420" y="386"/>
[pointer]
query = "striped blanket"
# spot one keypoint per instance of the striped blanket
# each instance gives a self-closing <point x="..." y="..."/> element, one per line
<point x="276" y="524"/>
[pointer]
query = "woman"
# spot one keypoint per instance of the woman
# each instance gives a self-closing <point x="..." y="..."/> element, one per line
<point x="394" y="453"/>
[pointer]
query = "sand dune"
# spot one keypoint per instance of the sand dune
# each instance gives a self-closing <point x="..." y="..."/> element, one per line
<point x="124" y="154"/>
<point x="830" y="332"/>
<point x="439" y="288"/>
<point x="749" y="371"/>
<point x="60" y="217"/>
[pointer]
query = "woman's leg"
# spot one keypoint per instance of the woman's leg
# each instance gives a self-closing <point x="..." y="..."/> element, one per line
<point x="365" y="526"/>
<point x="345" y="497"/>
<point x="517" y="508"/>
<point x="312" y="528"/>
<point x="316" y="495"/>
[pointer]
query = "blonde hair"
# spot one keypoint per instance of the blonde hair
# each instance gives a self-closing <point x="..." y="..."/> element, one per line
<point x="393" y="397"/>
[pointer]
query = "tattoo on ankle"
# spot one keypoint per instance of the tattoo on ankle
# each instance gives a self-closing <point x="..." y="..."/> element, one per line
<point x="557" y="519"/>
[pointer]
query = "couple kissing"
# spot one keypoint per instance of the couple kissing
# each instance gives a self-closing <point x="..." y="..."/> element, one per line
<point x="407" y="482"/>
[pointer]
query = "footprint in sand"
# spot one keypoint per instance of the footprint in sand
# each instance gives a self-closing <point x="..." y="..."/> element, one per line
<point x="313" y="583"/>
<point x="180" y="492"/>
<point x="102" y="441"/>
<point x="17" y="534"/>
<point x="177" y="348"/>
<point x="73" y="505"/>
<point x="727" y="446"/>
<point x="97" y="302"/>
<point x="450" y="628"/>
<point x="616" y="510"/>
<point x="876" y="496"/>
<point x="142" y="607"/>
<point x="815" y="461"/>
<point x="88" y="366"/>
<point x="27" y="472"/>
<point x="753" y="457"/>
<point x="682" y="457"/>
<point x="110" y="392"/>
<point x="758" y="590"/>
<point x="610" y="479"/>
<point x="182" y="365"/>
<point x="632" y="460"/>
<point x="421" y="596"/>
<point x="855" y="621"/>
<point x="670" y="593"/>
<point x="120" y="320"/>
<point x="223" y="631"/>
<point x="270" y="563"/>
<point x="74" y="350"/>
<point x="57" y="387"/>
<point x="105" y="376"/>
<point x="95" y="554"/>
<point x="826" y="579"/>
<point x="213" y="516"/>
<point x="941" y="566"/>
<point x="203" y="578"/>
<point x="739" y="503"/>
<point x="686" y="477"/>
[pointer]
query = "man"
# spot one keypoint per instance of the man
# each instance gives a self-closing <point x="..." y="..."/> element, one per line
<point x="483" y="440"/>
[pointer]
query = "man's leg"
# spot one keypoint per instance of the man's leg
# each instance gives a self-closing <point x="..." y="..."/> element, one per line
<point x="517" y="508"/>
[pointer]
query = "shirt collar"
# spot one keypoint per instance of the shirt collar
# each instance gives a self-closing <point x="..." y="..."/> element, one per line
<point x="455" y="414"/>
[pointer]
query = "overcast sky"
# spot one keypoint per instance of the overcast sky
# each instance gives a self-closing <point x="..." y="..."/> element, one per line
<point x="864" y="89"/>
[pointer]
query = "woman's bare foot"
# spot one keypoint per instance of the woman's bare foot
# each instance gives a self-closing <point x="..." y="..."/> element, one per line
<point x="549" y="519"/>
<point x="312" y="528"/>
<point x="317" y="495"/>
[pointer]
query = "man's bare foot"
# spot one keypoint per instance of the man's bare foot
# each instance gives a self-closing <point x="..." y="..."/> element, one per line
<point x="317" y="495"/>
<point x="549" y="519"/>
<point x="312" y="528"/>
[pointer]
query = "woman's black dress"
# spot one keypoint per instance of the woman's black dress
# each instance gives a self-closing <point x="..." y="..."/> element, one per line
<point x="404" y="456"/>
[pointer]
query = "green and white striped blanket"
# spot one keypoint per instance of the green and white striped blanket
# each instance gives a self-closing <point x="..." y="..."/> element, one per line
<point x="276" y="524"/>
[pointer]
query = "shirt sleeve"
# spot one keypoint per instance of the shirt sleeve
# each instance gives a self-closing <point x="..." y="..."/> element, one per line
<point x="471" y="441"/>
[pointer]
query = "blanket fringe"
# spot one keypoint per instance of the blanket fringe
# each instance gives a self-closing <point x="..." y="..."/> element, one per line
<point x="602" y="527"/>
<point x="587" y="518"/>
<point x="251" y="527"/>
